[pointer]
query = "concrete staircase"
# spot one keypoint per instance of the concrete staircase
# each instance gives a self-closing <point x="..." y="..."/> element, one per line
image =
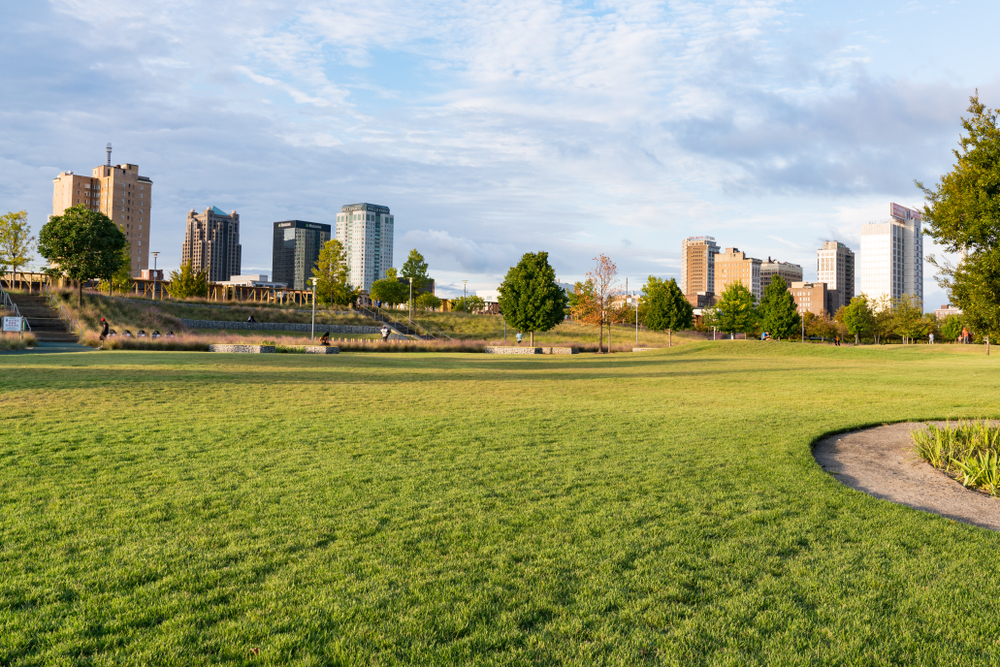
<point x="45" y="322"/>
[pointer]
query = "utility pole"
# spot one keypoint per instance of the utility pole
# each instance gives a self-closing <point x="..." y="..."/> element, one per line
<point x="409" y="313"/>
<point x="465" y="297"/>
<point x="312" y="336"/>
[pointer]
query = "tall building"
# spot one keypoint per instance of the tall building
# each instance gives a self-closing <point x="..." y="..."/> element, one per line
<point x="366" y="232"/>
<point x="835" y="267"/>
<point x="732" y="266"/>
<point x="815" y="298"/>
<point x="212" y="243"/>
<point x="792" y="273"/>
<point x="297" y="244"/>
<point x="892" y="256"/>
<point x="118" y="192"/>
<point x="698" y="265"/>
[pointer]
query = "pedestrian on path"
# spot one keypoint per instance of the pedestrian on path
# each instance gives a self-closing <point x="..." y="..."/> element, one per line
<point x="104" y="329"/>
<point x="385" y="333"/>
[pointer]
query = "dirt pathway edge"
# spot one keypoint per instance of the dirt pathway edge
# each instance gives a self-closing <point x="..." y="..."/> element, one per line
<point x="879" y="462"/>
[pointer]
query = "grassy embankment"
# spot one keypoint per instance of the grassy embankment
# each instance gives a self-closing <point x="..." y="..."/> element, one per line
<point x="490" y="327"/>
<point x="661" y="508"/>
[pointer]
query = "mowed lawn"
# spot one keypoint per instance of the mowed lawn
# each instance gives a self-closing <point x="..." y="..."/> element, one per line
<point x="650" y="508"/>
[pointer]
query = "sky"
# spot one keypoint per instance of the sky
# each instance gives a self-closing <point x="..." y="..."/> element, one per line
<point x="495" y="128"/>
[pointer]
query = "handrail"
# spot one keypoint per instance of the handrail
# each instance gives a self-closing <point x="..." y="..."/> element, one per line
<point x="63" y="312"/>
<point x="378" y="314"/>
<point x="9" y="304"/>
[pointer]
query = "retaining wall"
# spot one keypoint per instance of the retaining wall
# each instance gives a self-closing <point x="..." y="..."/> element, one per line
<point x="321" y="349"/>
<point x="279" y="326"/>
<point x="251" y="349"/>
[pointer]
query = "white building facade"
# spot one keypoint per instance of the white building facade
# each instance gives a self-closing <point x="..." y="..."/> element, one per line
<point x="365" y="230"/>
<point x="892" y="256"/>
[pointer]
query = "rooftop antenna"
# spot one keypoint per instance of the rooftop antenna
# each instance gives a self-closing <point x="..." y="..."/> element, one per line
<point x="109" y="153"/>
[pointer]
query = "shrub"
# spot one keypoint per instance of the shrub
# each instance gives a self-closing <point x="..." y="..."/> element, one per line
<point x="968" y="451"/>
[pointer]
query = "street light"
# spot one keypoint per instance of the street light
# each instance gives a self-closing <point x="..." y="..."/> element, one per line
<point x="465" y="297"/>
<point x="155" y="255"/>
<point x="409" y="312"/>
<point x="312" y="335"/>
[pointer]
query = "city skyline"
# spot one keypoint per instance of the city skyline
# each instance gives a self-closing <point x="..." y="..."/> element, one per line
<point x="545" y="126"/>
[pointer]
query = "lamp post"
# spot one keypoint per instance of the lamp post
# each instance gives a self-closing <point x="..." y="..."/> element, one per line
<point x="312" y="335"/>
<point x="409" y="311"/>
<point x="465" y="297"/>
<point x="155" y="255"/>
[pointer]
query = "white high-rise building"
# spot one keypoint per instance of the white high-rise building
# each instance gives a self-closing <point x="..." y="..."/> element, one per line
<point x="365" y="230"/>
<point x="835" y="267"/>
<point x="892" y="256"/>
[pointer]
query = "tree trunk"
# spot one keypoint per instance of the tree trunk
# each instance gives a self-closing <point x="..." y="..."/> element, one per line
<point x="532" y="334"/>
<point x="609" y="337"/>
<point x="600" y="337"/>
<point x="79" y="295"/>
<point x="670" y="338"/>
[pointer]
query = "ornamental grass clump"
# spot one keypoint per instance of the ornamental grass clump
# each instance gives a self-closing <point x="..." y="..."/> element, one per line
<point x="969" y="452"/>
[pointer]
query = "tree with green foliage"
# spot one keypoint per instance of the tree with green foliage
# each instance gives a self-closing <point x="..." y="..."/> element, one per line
<point x="736" y="311"/>
<point x="530" y="298"/>
<point x="467" y="304"/>
<point x="951" y="329"/>
<point x="664" y="307"/>
<point x="331" y="274"/>
<point x="428" y="301"/>
<point x="389" y="290"/>
<point x="121" y="280"/>
<point x="188" y="283"/>
<point x="16" y="242"/>
<point x="85" y="244"/>
<point x="778" y="314"/>
<point x="908" y="318"/>
<point x="415" y="269"/>
<point x="858" y="317"/>
<point x="963" y="215"/>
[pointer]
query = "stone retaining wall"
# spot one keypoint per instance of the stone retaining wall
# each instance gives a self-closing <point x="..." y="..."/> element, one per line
<point x="279" y="326"/>
<point x="560" y="350"/>
<point x="644" y="349"/>
<point x="321" y="349"/>
<point x="251" y="349"/>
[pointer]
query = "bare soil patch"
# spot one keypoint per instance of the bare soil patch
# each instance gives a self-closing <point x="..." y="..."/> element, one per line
<point x="880" y="462"/>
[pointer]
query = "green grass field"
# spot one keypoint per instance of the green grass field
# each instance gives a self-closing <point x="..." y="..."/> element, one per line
<point x="628" y="509"/>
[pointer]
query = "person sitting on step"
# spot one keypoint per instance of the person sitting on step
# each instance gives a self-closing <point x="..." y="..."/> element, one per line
<point x="325" y="339"/>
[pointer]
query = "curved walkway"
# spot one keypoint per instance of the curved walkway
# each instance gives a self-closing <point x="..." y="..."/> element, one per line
<point x="879" y="462"/>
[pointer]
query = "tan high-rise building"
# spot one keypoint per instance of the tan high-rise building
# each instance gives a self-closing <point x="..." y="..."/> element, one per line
<point x="212" y="243"/>
<point x="732" y="266"/>
<point x="792" y="273"/>
<point x="835" y="267"/>
<point x="698" y="265"/>
<point x="118" y="192"/>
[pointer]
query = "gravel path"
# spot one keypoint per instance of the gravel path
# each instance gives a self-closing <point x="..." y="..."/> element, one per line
<point x="879" y="462"/>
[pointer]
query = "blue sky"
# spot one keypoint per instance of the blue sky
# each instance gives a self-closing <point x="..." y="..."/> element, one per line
<point x="492" y="129"/>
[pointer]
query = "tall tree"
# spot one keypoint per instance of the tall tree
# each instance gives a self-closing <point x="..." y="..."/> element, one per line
<point x="16" y="242"/>
<point x="415" y="269"/>
<point x="858" y="317"/>
<point x="736" y="310"/>
<point x="596" y="301"/>
<point x="951" y="329"/>
<point x="121" y="280"/>
<point x="777" y="311"/>
<point x="663" y="306"/>
<point x="331" y="274"/>
<point x="468" y="304"/>
<point x="85" y="244"/>
<point x="963" y="215"/>
<point x="428" y="301"/>
<point x="530" y="298"/>
<point x="188" y="282"/>
<point x="389" y="290"/>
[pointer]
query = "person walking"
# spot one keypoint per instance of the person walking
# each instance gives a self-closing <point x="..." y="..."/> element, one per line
<point x="104" y="328"/>
<point x="385" y="333"/>
<point x="930" y="339"/>
<point x="965" y="336"/>
<point x="519" y="337"/>
<point x="836" y="341"/>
